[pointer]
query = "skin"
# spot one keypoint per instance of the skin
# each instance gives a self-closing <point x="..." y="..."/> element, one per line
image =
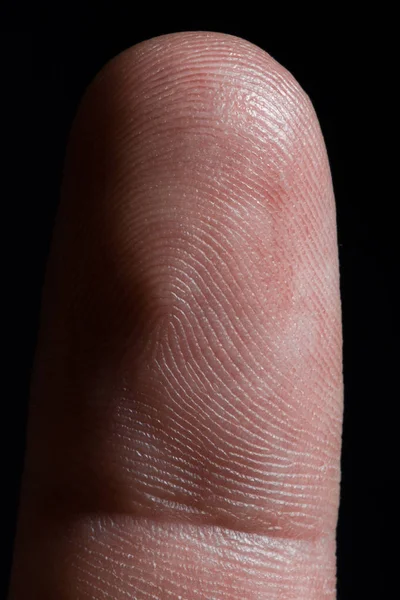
<point x="185" y="424"/>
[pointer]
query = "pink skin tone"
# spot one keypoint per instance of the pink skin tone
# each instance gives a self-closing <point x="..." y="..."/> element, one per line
<point x="185" y="426"/>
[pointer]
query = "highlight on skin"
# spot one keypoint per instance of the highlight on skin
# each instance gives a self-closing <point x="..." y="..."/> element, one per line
<point x="185" y="424"/>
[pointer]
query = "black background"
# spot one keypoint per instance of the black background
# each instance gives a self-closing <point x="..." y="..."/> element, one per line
<point x="45" y="66"/>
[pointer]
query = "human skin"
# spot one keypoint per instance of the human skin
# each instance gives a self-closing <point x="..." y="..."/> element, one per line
<point x="185" y="423"/>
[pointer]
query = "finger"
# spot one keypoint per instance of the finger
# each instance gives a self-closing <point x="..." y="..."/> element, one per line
<point x="185" y="424"/>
